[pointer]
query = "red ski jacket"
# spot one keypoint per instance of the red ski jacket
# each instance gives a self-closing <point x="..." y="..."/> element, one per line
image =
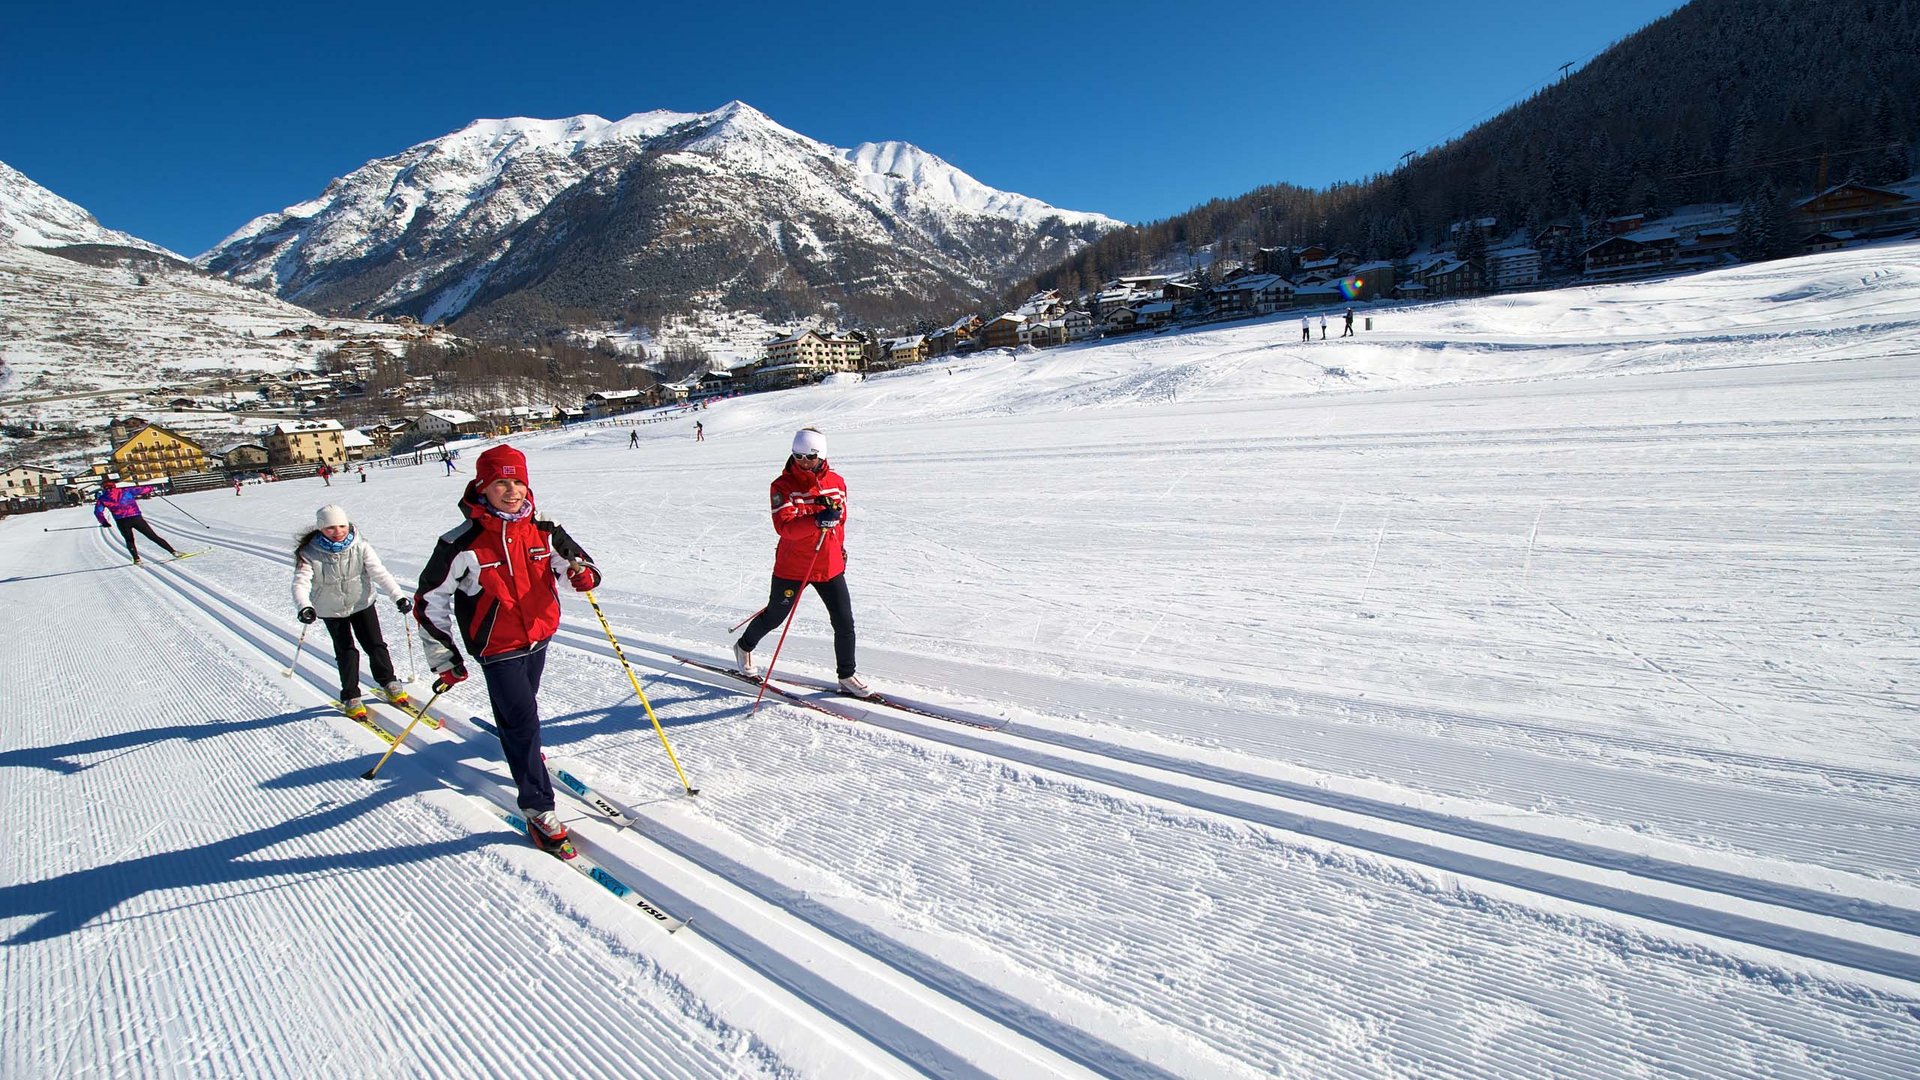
<point x="798" y="494"/>
<point x="495" y="580"/>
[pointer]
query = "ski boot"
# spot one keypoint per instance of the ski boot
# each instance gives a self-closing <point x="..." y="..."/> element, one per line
<point x="354" y="709"/>
<point x="397" y="694"/>
<point x="549" y="834"/>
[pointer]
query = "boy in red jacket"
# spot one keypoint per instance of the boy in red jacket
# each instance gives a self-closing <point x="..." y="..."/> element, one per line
<point x="809" y="513"/>
<point x="494" y="577"/>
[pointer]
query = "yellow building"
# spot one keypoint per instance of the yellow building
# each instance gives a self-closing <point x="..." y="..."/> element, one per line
<point x="153" y="453"/>
<point x="307" y="442"/>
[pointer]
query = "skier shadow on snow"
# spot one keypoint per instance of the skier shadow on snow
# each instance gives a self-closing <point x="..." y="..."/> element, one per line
<point x="71" y="901"/>
<point x="59" y="757"/>
<point x="627" y="713"/>
<point x="63" y="573"/>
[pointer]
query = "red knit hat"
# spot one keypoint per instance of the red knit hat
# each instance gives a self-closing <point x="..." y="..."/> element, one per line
<point x="501" y="462"/>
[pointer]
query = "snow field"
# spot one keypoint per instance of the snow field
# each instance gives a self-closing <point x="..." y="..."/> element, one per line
<point x="1551" y="727"/>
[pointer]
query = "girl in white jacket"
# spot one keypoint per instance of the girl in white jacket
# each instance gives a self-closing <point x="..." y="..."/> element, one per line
<point x="334" y="575"/>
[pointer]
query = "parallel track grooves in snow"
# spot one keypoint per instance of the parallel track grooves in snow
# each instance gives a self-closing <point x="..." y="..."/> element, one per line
<point x="785" y="956"/>
<point x="1771" y="915"/>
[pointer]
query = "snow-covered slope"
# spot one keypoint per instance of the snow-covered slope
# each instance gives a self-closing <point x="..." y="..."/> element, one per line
<point x="1538" y="704"/>
<point x="79" y="336"/>
<point x="32" y="216"/>
<point x="726" y="201"/>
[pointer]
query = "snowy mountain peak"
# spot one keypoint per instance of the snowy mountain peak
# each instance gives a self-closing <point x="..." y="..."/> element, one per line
<point x="888" y="167"/>
<point x="465" y="220"/>
<point x="32" y="216"/>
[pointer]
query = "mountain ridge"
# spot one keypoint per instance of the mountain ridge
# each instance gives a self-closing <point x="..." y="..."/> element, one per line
<point x="725" y="208"/>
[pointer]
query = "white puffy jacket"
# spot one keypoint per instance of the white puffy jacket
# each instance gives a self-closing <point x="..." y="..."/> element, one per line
<point x="340" y="584"/>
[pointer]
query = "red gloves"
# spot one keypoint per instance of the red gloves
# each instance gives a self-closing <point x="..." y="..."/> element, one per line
<point x="450" y="678"/>
<point x="583" y="576"/>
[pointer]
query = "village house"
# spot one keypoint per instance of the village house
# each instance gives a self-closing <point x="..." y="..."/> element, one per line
<point x="245" y="458"/>
<point x="814" y="352"/>
<point x="443" y="424"/>
<point x="899" y="352"/>
<point x="306" y="442"/>
<point x="604" y="403"/>
<point x="1368" y="281"/>
<point x="154" y="453"/>
<point x="1513" y="267"/>
<point x="357" y="444"/>
<point x="954" y="337"/>
<point x="1858" y="212"/>
<point x="1003" y="332"/>
<point x="30" y="482"/>
<point x="1252" y="294"/>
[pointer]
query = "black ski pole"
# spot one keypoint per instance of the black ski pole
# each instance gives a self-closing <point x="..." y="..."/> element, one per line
<point x="177" y="506"/>
<point x="74" y="528"/>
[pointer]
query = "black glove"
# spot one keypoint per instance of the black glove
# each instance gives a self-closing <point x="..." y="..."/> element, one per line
<point x="103" y="524"/>
<point x="308" y="615"/>
<point x="405" y="604"/>
<point x="450" y="677"/>
<point x="828" y="518"/>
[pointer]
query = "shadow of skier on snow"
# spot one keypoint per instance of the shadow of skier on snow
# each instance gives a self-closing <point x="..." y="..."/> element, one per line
<point x="71" y="901"/>
<point x="58" y="758"/>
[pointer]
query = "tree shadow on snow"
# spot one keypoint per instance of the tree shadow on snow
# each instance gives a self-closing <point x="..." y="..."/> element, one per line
<point x="59" y="757"/>
<point x="71" y="901"/>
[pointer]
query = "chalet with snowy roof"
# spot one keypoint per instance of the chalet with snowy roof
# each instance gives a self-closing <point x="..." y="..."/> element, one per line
<point x="154" y="452"/>
<point x="29" y="482"/>
<point x="603" y="403"/>
<point x="358" y="444"/>
<point x="1859" y="211"/>
<point x="447" y="423"/>
<point x="1513" y="267"/>
<point x="899" y="352"/>
<point x="1003" y="332"/>
<point x="954" y="337"/>
<point x="815" y="352"/>
<point x="306" y="442"/>
<point x="243" y="457"/>
<point x="1153" y="314"/>
<point x="1253" y="294"/>
<point x="1368" y="281"/>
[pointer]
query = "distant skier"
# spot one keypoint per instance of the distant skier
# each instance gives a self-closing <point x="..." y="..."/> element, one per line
<point x="334" y="574"/>
<point x="1323" y="328"/>
<point x="493" y="578"/>
<point x="326" y="473"/>
<point x="124" y="506"/>
<point x="446" y="458"/>
<point x="699" y="431"/>
<point x="1348" y="332"/>
<point x="809" y="510"/>
<point x="1306" y="331"/>
<point x="633" y="440"/>
<point x="236" y="487"/>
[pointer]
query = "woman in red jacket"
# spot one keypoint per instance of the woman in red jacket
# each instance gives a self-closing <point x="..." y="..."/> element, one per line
<point x="810" y="514"/>
<point x="493" y="578"/>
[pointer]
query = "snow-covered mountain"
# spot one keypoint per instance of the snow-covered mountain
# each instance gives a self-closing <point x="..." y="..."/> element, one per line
<point x="525" y="223"/>
<point x="32" y="216"/>
<point x="90" y="318"/>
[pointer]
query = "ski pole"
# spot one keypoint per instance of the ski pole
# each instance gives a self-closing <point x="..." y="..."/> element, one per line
<point x="369" y="774"/>
<point x="177" y="506"/>
<point x="641" y="694"/>
<point x="412" y="671"/>
<point x="791" y="612"/>
<point x="77" y="528"/>
<point x="736" y="626"/>
<point x="304" y="627"/>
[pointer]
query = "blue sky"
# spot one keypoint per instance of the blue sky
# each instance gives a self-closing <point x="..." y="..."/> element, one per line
<point x="179" y="123"/>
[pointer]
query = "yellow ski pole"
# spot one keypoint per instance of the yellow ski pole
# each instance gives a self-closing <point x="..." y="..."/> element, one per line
<point x="370" y="773"/>
<point x="641" y="694"/>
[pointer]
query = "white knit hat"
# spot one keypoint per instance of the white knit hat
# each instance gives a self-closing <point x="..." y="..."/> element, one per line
<point x="809" y="441"/>
<point x="330" y="514"/>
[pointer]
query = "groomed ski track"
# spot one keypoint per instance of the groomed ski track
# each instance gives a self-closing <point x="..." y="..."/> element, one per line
<point x="1144" y="874"/>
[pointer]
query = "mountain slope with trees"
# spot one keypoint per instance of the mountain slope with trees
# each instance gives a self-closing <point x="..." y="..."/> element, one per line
<point x="1735" y="101"/>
